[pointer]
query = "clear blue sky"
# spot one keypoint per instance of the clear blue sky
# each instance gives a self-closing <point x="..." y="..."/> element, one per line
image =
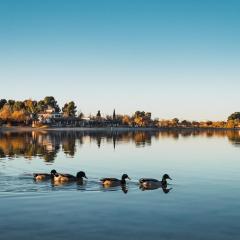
<point x="173" y="58"/>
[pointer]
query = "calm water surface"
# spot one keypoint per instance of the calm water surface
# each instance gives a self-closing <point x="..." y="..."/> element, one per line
<point x="203" y="201"/>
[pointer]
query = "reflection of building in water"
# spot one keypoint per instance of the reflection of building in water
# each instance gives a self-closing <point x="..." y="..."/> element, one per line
<point x="50" y="142"/>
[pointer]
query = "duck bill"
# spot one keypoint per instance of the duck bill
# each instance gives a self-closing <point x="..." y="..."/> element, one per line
<point x="129" y="178"/>
<point x="169" y="178"/>
<point x="86" y="177"/>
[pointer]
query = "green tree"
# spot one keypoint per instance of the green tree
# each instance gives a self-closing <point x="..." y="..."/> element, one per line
<point x="18" y="106"/>
<point x="114" y="115"/>
<point x="40" y="106"/>
<point x="98" y="114"/>
<point x="80" y="115"/>
<point x="11" y="103"/>
<point x="2" y="103"/>
<point x="175" y="122"/>
<point x="31" y="106"/>
<point x="51" y="102"/>
<point x="69" y="109"/>
<point x="234" y="116"/>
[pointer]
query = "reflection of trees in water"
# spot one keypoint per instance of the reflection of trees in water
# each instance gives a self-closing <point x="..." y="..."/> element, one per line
<point x="192" y="133"/>
<point x="142" y="138"/>
<point x="47" y="144"/>
<point x="234" y="137"/>
<point x="28" y="145"/>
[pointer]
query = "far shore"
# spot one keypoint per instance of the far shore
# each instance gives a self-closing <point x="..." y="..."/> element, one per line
<point x="111" y="129"/>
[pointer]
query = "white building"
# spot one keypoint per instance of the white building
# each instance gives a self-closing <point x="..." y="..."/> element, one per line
<point x="49" y="114"/>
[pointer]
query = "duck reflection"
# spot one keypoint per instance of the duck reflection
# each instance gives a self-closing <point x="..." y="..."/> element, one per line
<point x="164" y="189"/>
<point x="123" y="188"/>
<point x="69" y="185"/>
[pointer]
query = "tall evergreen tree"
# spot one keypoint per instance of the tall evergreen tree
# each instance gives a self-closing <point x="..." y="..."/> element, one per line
<point x="114" y="115"/>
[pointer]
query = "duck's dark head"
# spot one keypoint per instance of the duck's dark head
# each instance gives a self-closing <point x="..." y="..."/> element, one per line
<point x="165" y="177"/>
<point x="53" y="172"/>
<point x="81" y="175"/>
<point x="125" y="176"/>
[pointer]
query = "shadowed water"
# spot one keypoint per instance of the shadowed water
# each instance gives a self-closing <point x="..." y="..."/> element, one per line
<point x="202" y="200"/>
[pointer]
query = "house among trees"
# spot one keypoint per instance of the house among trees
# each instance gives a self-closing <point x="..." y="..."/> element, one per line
<point x="48" y="115"/>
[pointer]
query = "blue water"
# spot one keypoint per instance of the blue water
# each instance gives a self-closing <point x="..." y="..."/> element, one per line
<point x="202" y="202"/>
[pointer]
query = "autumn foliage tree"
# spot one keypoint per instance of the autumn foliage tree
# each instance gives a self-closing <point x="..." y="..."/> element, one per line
<point x="5" y="113"/>
<point x="126" y="120"/>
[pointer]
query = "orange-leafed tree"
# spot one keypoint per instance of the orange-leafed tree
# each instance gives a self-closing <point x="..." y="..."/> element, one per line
<point x="126" y="120"/>
<point x="6" y="113"/>
<point x="19" y="116"/>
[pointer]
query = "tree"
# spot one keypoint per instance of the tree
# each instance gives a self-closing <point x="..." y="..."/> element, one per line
<point x="114" y="115"/>
<point x="19" y="116"/>
<point x="147" y="119"/>
<point x="234" y="116"/>
<point x="209" y="123"/>
<point x="18" y="106"/>
<point x="6" y="113"/>
<point x="139" y="121"/>
<point x="31" y="106"/>
<point x="142" y="119"/>
<point x="186" y="123"/>
<point x="230" y="124"/>
<point x="139" y="114"/>
<point x="126" y="120"/>
<point x="148" y="115"/>
<point x="40" y="106"/>
<point x="2" y="103"/>
<point x="98" y="114"/>
<point x="11" y="103"/>
<point x="51" y="102"/>
<point x="175" y="122"/>
<point x="69" y="109"/>
<point x="80" y="115"/>
<point x="195" y="123"/>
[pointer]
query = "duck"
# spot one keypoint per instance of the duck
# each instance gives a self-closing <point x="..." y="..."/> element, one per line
<point x="60" y="177"/>
<point x="44" y="176"/>
<point x="114" y="182"/>
<point x="150" y="183"/>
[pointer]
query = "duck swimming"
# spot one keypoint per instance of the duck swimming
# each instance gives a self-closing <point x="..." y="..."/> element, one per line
<point x="44" y="176"/>
<point x="150" y="183"/>
<point x="114" y="182"/>
<point x="59" y="177"/>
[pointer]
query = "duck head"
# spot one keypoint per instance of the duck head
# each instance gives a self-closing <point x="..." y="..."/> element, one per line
<point x="53" y="172"/>
<point x="81" y="175"/>
<point x="165" y="177"/>
<point x="125" y="176"/>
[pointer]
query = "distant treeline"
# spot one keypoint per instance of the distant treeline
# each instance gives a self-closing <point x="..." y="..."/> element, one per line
<point x="14" y="112"/>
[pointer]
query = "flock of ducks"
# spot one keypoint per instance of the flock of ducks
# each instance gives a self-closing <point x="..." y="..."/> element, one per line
<point x="145" y="183"/>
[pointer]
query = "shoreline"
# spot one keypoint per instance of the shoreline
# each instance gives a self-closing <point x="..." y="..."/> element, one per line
<point x="109" y="129"/>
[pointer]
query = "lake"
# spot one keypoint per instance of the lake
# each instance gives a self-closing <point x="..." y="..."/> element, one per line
<point x="202" y="201"/>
